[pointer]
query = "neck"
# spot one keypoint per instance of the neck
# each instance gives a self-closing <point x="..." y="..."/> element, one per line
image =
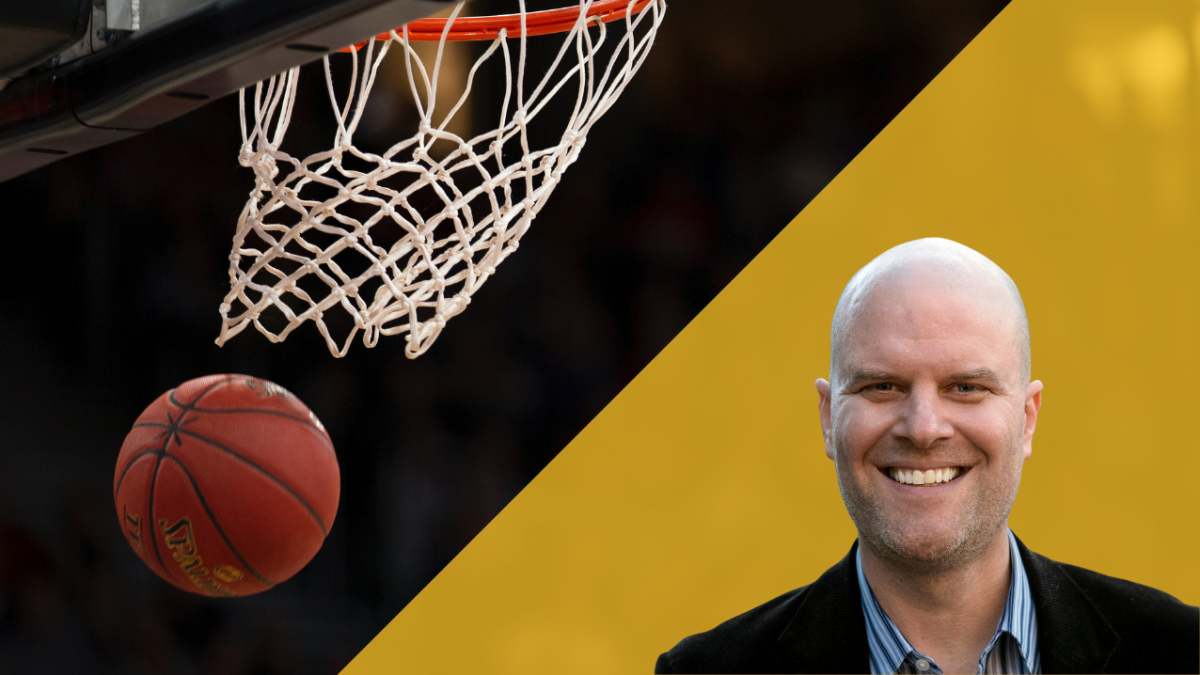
<point x="948" y="614"/>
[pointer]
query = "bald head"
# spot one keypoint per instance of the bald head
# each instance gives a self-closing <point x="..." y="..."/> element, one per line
<point x="940" y="267"/>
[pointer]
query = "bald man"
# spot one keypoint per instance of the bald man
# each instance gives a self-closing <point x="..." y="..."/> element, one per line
<point x="928" y="415"/>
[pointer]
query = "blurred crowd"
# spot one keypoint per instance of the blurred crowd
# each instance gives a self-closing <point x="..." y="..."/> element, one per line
<point x="116" y="263"/>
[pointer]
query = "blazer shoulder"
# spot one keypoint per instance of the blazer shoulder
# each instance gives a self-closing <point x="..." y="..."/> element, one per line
<point x="745" y="643"/>
<point x="1154" y="632"/>
<point x="1135" y="609"/>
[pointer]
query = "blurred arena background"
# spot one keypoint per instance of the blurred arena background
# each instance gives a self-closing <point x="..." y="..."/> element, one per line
<point x="117" y="260"/>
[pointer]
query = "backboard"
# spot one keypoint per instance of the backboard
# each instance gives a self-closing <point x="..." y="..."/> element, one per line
<point x="78" y="74"/>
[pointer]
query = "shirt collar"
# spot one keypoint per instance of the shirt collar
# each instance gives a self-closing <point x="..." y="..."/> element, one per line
<point x="889" y="648"/>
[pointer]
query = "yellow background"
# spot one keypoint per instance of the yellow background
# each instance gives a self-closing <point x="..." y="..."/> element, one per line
<point x="1061" y="143"/>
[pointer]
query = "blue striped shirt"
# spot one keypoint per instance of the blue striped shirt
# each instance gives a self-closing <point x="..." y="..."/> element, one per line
<point x="1013" y="649"/>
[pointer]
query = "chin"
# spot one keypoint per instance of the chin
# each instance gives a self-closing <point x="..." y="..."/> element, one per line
<point x="922" y="545"/>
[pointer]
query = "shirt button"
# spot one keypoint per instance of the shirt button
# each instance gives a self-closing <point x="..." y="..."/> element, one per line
<point x="922" y="665"/>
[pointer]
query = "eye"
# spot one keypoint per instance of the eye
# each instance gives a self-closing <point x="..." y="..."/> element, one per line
<point x="964" y="388"/>
<point x="879" y="391"/>
<point x="879" y="388"/>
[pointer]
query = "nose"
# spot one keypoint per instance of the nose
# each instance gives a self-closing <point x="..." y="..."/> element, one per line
<point x="923" y="420"/>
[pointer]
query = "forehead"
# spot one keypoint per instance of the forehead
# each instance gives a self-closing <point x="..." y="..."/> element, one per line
<point x="927" y="322"/>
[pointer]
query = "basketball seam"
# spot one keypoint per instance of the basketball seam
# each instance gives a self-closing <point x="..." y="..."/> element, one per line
<point x="268" y="474"/>
<point x="161" y="452"/>
<point x="128" y="465"/>
<point x="150" y="517"/>
<point x="324" y="435"/>
<point x="322" y="432"/>
<point x="214" y="385"/>
<point x="213" y="519"/>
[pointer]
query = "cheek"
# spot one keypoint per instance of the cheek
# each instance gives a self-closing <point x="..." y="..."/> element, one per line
<point x="859" y="427"/>
<point x="995" y="434"/>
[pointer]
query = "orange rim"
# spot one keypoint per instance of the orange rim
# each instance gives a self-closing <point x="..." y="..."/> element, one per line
<point x="536" y="23"/>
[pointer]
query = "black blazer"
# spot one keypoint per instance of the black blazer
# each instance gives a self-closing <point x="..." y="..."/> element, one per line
<point x="1087" y="623"/>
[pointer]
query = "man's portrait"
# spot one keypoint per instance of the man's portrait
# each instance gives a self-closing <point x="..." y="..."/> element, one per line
<point x="929" y="414"/>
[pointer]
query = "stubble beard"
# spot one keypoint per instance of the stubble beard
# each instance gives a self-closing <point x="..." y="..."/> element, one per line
<point x="908" y="544"/>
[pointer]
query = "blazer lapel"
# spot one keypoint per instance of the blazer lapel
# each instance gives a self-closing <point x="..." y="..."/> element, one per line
<point x="828" y="633"/>
<point x="1073" y="635"/>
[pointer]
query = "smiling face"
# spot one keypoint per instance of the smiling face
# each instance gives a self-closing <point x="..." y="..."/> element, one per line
<point x="929" y="415"/>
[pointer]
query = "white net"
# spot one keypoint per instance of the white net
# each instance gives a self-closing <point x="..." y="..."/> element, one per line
<point x="400" y="241"/>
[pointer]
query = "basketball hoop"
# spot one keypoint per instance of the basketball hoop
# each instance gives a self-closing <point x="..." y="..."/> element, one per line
<point x="531" y="23"/>
<point x="400" y="241"/>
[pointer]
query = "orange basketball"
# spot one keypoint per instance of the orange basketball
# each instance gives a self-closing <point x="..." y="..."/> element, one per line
<point x="226" y="485"/>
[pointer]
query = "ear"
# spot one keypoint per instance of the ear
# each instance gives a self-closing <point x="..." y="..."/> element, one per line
<point x="1033" y="403"/>
<point x="823" y="404"/>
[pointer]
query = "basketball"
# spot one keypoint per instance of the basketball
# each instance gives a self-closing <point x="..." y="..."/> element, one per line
<point x="226" y="486"/>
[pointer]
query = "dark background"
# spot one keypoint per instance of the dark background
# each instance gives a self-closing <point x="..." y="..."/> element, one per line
<point x="116" y="262"/>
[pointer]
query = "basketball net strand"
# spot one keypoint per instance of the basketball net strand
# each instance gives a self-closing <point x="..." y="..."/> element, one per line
<point x="411" y="270"/>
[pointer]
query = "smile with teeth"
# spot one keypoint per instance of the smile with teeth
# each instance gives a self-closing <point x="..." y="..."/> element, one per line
<point x="930" y="477"/>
